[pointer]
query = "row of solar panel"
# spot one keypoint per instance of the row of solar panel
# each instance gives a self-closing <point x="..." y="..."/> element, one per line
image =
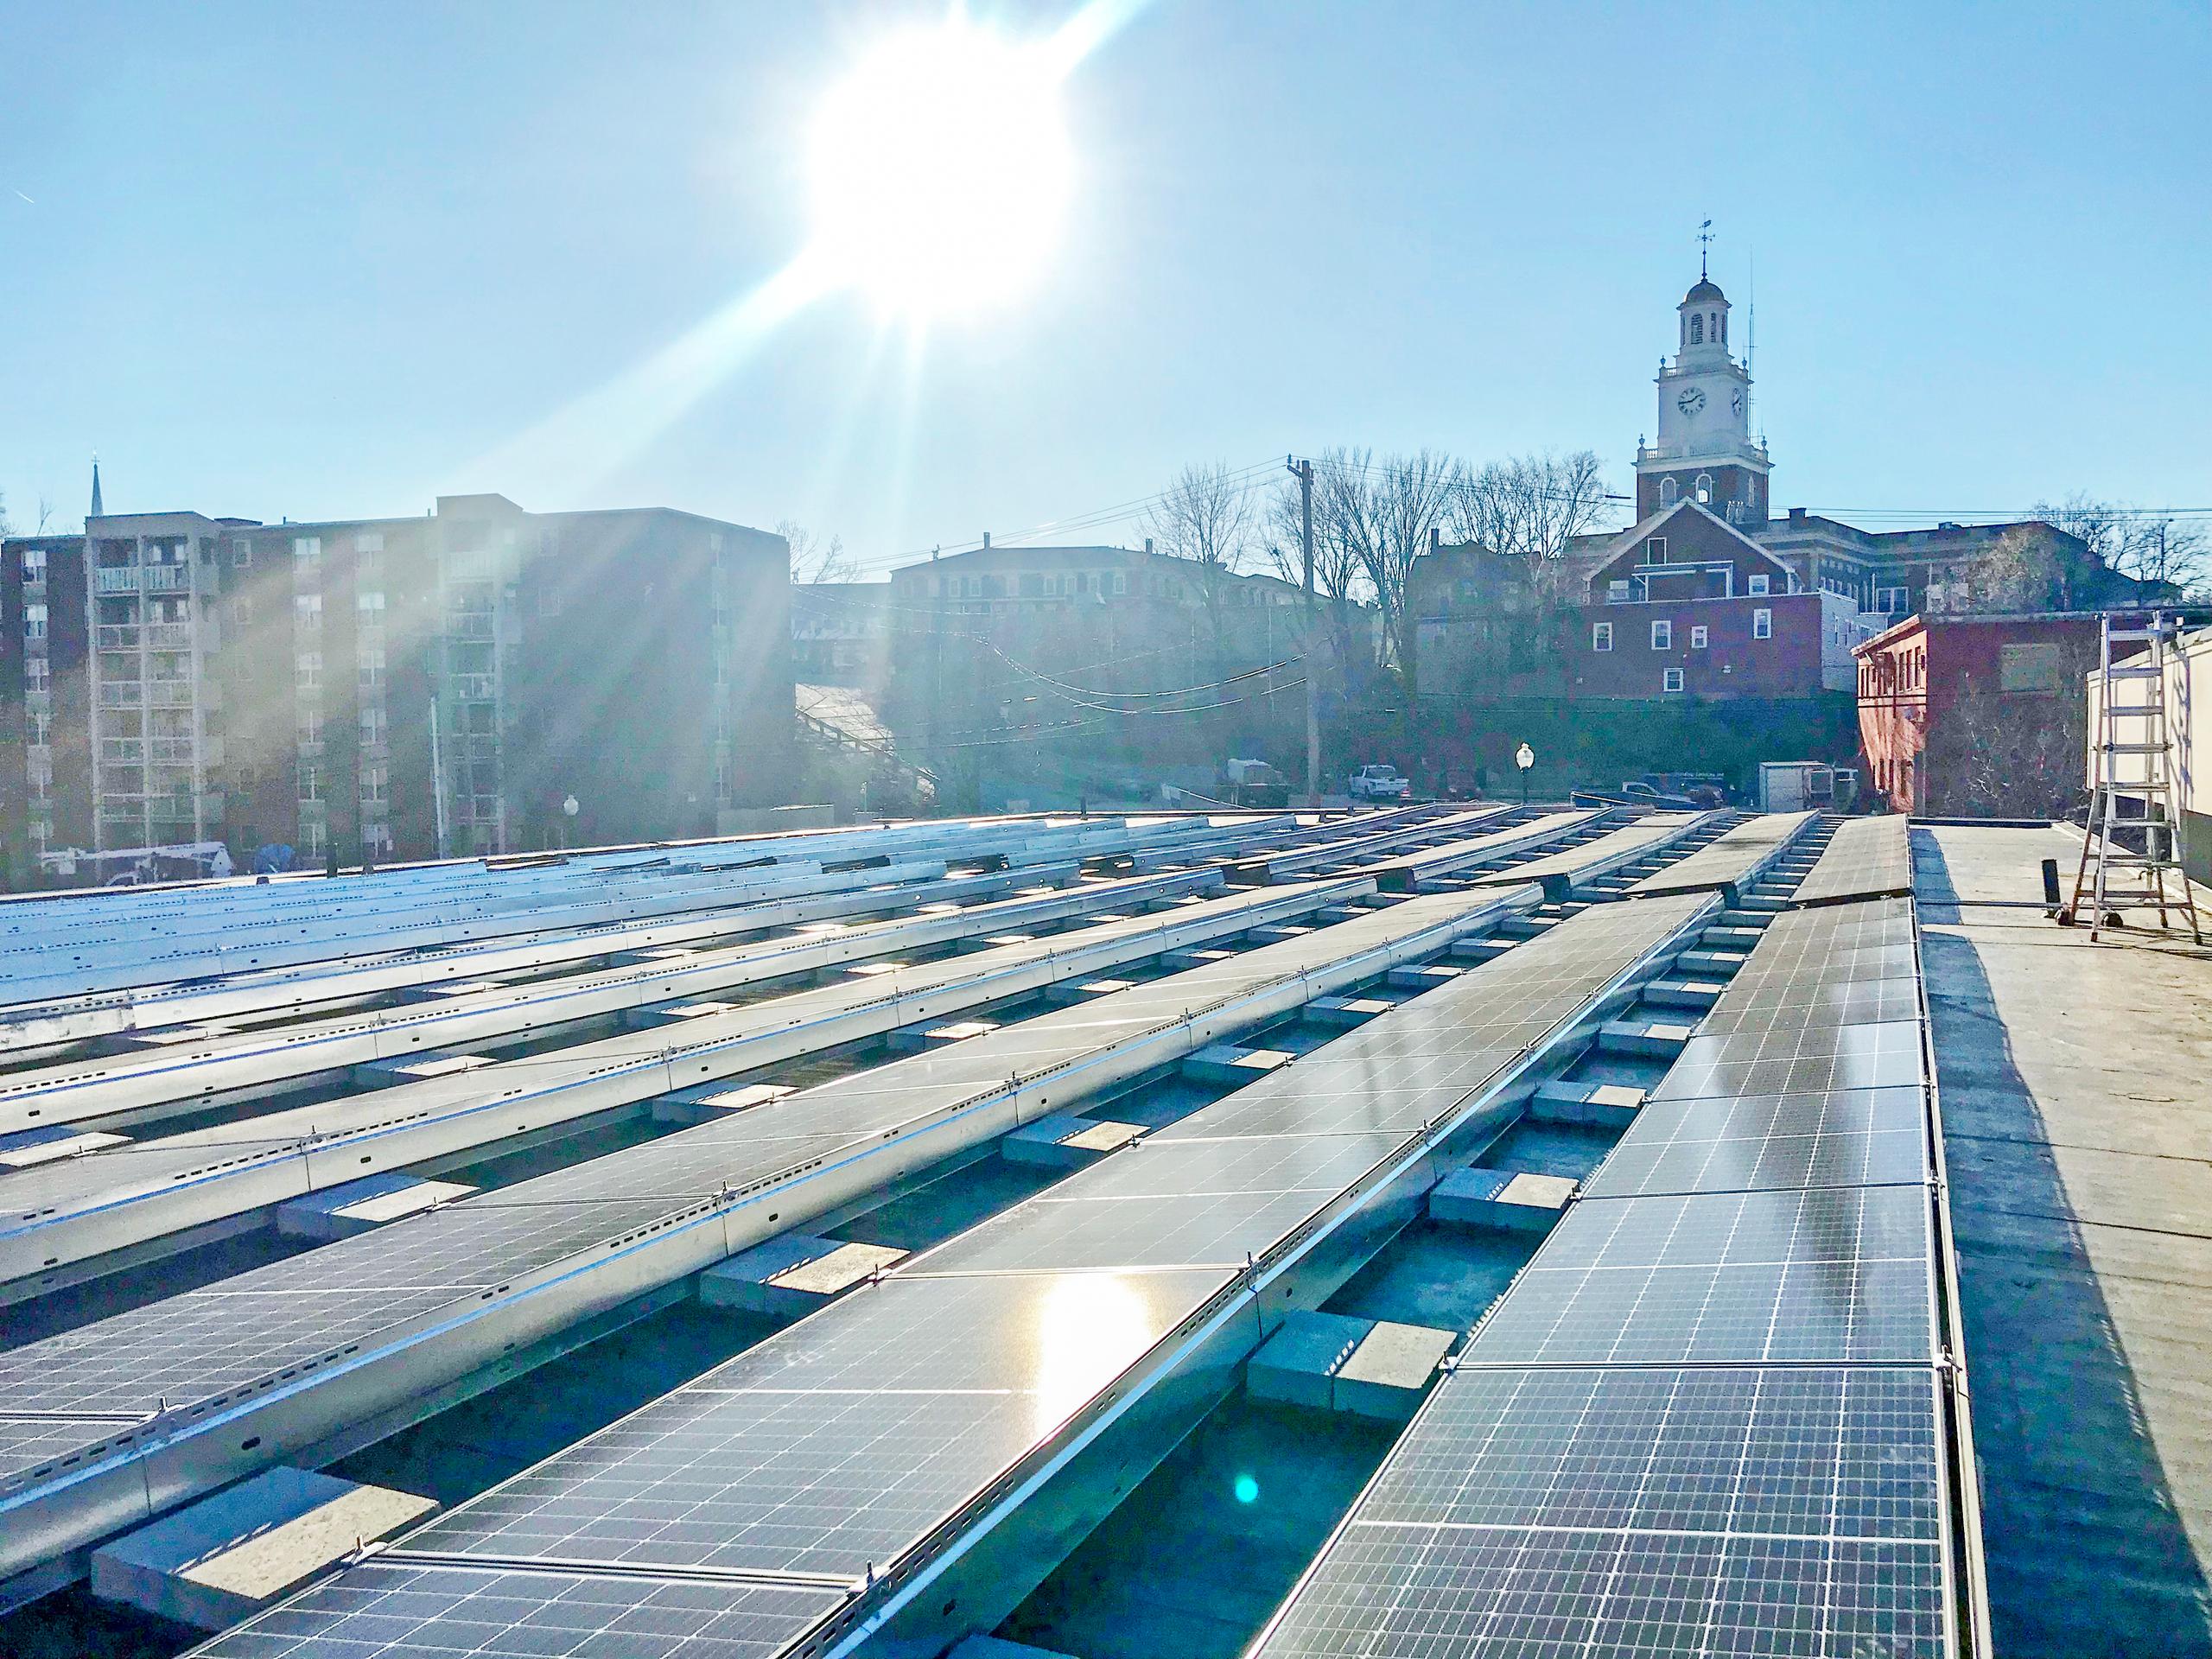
<point x="1707" y="1418"/>
<point x="836" y="1448"/>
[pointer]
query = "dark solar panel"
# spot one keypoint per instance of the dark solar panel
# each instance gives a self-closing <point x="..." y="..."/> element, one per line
<point x="829" y="1448"/>
<point x="1786" y="1062"/>
<point x="1864" y="857"/>
<point x="380" y="1611"/>
<point x="1803" y="1450"/>
<point x="1834" y="1273"/>
<point x="1434" y="1592"/>
<point x="1859" y="1138"/>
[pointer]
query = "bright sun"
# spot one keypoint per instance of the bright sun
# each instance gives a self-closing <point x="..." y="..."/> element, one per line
<point x="941" y="169"/>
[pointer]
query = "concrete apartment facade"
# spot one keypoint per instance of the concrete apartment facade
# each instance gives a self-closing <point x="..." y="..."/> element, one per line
<point x="391" y="687"/>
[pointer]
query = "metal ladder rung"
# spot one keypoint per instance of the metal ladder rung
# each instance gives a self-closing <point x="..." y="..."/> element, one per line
<point x="2137" y="673"/>
<point x="2133" y="748"/>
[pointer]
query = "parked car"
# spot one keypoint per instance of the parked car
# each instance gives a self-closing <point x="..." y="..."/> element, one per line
<point x="1379" y="783"/>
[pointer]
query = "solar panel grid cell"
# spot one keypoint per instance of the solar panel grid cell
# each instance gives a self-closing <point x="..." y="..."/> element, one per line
<point x="1857" y="1138"/>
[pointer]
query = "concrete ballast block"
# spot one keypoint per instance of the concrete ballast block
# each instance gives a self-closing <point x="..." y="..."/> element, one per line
<point x="1226" y="1062"/>
<point x="31" y="1148"/>
<point x="793" y="1274"/>
<point x="414" y="1071"/>
<point x="715" y="1100"/>
<point x="1512" y="1199"/>
<point x="1334" y="1362"/>
<point x="357" y="1206"/>
<point x="227" y="1557"/>
<point x="1063" y="1140"/>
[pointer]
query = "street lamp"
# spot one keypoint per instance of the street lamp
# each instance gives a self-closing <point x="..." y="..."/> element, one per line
<point x="569" y="807"/>
<point x="1524" y="757"/>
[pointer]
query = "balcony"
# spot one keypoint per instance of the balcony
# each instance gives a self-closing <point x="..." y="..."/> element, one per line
<point x="473" y="688"/>
<point x="169" y="694"/>
<point x="115" y="751"/>
<point x="170" y="636"/>
<point x="120" y="694"/>
<point x="472" y="624"/>
<point x="116" y="636"/>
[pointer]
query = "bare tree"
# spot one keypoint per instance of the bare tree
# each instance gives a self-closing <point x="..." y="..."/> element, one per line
<point x="1385" y="511"/>
<point x="2145" y="546"/>
<point x="1528" y="508"/>
<point x="44" y="515"/>
<point x="813" y="561"/>
<point x="1206" y="518"/>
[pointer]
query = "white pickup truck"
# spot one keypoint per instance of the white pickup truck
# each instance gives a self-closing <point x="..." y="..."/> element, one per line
<point x="1379" y="784"/>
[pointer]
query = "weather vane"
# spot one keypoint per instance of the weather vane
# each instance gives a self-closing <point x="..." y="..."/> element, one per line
<point x="1704" y="242"/>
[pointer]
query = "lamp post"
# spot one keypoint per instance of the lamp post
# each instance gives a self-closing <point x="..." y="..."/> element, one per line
<point x="569" y="807"/>
<point x="1524" y="757"/>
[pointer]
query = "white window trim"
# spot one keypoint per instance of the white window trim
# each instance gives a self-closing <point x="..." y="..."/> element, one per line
<point x="1601" y="636"/>
<point x="1663" y="635"/>
<point x="1757" y="585"/>
<point x="1670" y="680"/>
<point x="1762" y="624"/>
<point x="1698" y="637"/>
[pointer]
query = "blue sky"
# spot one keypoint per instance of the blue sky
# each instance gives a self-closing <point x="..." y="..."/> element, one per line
<point x="323" y="261"/>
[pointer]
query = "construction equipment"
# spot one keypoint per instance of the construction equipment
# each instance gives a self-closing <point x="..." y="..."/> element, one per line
<point x="2131" y="759"/>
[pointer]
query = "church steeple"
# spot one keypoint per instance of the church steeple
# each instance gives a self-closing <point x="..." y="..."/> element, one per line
<point x="98" y="511"/>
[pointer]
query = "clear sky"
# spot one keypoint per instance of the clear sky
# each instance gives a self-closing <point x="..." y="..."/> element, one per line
<point x="325" y="261"/>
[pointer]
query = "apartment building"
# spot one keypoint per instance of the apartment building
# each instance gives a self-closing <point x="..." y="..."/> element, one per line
<point x="391" y="687"/>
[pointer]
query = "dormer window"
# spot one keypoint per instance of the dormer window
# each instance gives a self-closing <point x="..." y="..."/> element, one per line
<point x="1759" y="584"/>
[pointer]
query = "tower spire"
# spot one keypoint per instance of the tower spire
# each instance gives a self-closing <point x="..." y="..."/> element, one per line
<point x="1704" y="244"/>
<point x="97" y="512"/>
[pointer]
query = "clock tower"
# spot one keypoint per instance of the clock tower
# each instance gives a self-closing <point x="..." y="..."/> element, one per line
<point x="1705" y="451"/>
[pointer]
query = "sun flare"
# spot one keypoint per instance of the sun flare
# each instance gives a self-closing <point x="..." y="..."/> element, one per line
<point x="941" y="169"/>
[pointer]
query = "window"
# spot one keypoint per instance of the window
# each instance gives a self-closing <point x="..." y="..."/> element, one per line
<point x="1601" y="636"/>
<point x="307" y="611"/>
<point x="307" y="546"/>
<point x="369" y="541"/>
<point x="1617" y="593"/>
<point x="309" y="667"/>
<point x="374" y="601"/>
<point x="1697" y="328"/>
<point x="1671" y="680"/>
<point x="1655" y="550"/>
<point x="242" y="553"/>
<point x="1894" y="601"/>
<point x="1663" y="636"/>
<point x="1762" y="624"/>
<point x="33" y="621"/>
<point x="35" y="674"/>
<point x="1757" y="585"/>
<point x="1668" y="493"/>
<point x="1705" y="486"/>
<point x="33" y="564"/>
<point x="1121" y="582"/>
<point x="374" y="728"/>
<point x="1698" y="637"/>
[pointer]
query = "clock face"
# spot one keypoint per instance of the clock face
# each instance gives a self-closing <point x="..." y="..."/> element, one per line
<point x="1691" y="401"/>
<point x="1736" y="401"/>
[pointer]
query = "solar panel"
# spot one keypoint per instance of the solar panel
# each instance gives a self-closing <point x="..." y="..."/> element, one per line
<point x="1443" y="1593"/>
<point x="835" y="1445"/>
<point x="1784" y="1003"/>
<point x="1728" y="859"/>
<point x="1176" y="1204"/>
<point x="381" y="1608"/>
<point x="1801" y="1450"/>
<point x="1834" y="1273"/>
<point x="1853" y="1138"/>
<point x="1781" y="1061"/>
<point x="1864" y="857"/>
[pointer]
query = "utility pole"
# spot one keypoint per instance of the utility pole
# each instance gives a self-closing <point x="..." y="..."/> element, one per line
<point x="1303" y="472"/>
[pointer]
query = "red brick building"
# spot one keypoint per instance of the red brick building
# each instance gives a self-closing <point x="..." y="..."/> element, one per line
<point x="1977" y="715"/>
<point x="1684" y="604"/>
